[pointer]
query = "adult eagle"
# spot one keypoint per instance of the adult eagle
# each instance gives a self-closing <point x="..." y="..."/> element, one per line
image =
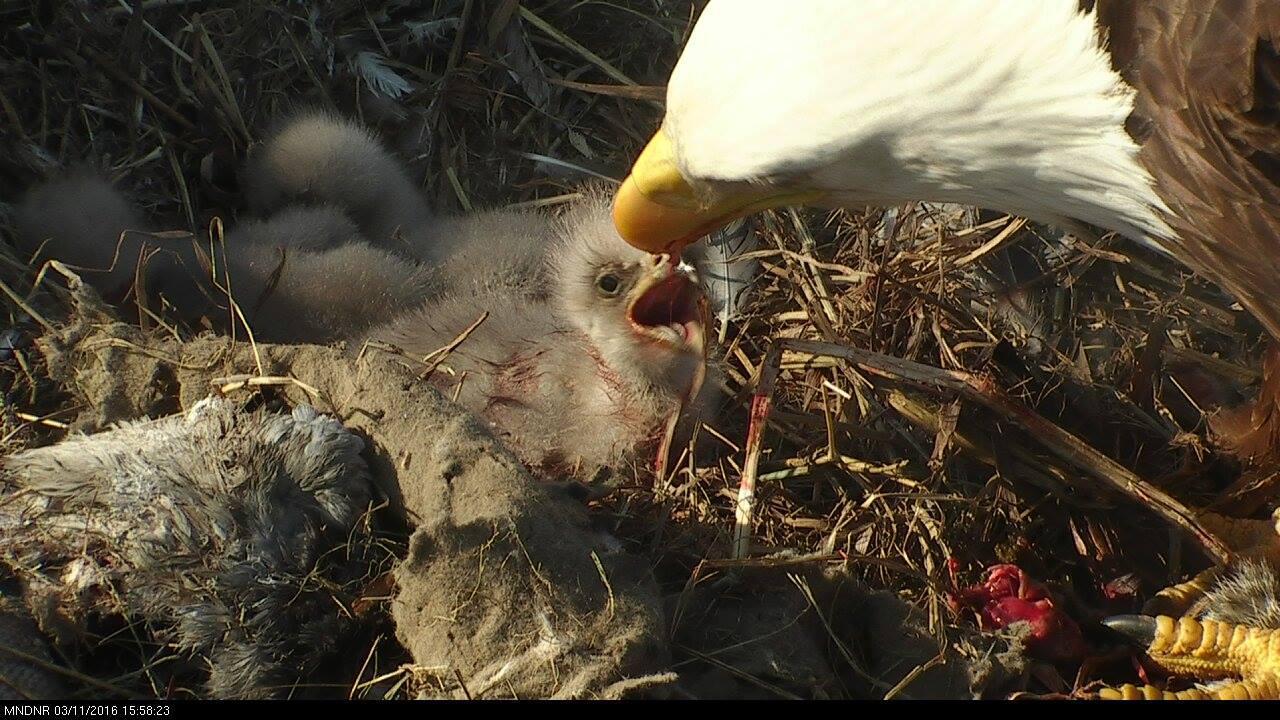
<point x="1158" y="119"/>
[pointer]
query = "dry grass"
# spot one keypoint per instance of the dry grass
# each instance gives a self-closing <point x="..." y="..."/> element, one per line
<point x="1079" y="360"/>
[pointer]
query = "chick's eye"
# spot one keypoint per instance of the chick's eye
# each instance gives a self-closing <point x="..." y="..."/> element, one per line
<point x="609" y="284"/>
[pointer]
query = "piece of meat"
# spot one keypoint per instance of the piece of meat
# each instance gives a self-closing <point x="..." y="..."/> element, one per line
<point x="1009" y="596"/>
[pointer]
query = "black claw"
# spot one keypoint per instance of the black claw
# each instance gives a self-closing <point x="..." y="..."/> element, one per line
<point x="1140" y="629"/>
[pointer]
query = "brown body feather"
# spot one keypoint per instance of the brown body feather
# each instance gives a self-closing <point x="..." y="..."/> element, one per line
<point x="1207" y="75"/>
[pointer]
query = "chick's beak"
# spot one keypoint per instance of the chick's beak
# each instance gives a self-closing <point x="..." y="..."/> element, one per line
<point x="669" y="307"/>
<point x="657" y="210"/>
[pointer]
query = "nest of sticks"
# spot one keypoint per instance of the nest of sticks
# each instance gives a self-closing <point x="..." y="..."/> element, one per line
<point x="915" y="393"/>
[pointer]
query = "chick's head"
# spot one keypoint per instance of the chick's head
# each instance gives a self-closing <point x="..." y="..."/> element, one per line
<point x="645" y="315"/>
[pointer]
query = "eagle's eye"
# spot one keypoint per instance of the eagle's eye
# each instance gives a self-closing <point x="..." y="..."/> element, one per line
<point x="608" y="284"/>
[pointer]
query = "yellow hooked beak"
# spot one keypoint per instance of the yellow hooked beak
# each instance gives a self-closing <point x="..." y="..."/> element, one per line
<point x="658" y="211"/>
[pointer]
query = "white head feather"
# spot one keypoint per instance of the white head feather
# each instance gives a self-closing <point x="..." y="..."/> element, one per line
<point x="1005" y="104"/>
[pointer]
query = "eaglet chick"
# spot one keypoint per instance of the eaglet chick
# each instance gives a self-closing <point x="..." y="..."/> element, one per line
<point x="587" y="350"/>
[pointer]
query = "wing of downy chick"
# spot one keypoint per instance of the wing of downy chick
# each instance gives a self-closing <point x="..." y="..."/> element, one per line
<point x="580" y="372"/>
<point x="497" y="250"/>
<point x="82" y="220"/>
<point x="317" y="158"/>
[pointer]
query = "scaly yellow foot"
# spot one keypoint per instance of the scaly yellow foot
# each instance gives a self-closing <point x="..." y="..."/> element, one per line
<point x="1204" y="650"/>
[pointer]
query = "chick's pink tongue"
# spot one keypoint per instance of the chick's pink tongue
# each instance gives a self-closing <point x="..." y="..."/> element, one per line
<point x="671" y="302"/>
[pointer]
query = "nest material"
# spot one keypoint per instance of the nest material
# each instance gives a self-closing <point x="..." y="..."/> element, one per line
<point x="27" y="670"/>
<point x="788" y="627"/>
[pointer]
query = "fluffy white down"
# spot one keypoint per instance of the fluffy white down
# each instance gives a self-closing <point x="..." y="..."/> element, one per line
<point x="1005" y="104"/>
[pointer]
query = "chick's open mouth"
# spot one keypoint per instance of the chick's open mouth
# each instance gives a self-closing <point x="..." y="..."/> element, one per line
<point x="670" y="310"/>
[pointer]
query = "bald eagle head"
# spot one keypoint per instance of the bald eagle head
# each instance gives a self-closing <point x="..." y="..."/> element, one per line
<point x="1004" y="104"/>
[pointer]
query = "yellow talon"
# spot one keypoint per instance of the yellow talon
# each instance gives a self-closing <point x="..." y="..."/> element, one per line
<point x="1242" y="661"/>
<point x="1178" y="599"/>
<point x="1243" y="690"/>
<point x="1148" y="692"/>
<point x="1205" y="650"/>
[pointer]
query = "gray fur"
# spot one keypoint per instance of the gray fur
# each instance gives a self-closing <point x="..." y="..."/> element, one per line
<point x="210" y="526"/>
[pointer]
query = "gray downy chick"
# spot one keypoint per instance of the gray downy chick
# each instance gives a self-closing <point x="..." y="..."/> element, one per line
<point x="305" y="274"/>
<point x="584" y="372"/>
<point x="82" y="220"/>
<point x="587" y="347"/>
